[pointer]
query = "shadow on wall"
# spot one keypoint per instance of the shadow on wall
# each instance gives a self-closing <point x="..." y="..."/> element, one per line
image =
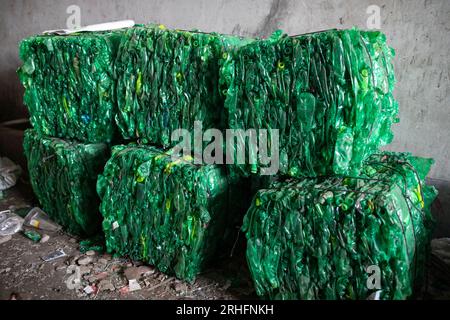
<point x="11" y="140"/>
<point x="11" y="95"/>
<point x="440" y="208"/>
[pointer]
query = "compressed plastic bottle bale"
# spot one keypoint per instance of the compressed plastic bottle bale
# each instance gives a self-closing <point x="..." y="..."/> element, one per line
<point x="325" y="238"/>
<point x="171" y="214"/>
<point x="69" y="84"/>
<point x="63" y="175"/>
<point x="167" y="79"/>
<point x="328" y="93"/>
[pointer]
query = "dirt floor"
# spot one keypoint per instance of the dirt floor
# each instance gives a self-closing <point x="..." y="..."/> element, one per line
<point x="92" y="275"/>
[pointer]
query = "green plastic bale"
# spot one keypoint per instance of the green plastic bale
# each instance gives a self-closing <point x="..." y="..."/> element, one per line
<point x="171" y="214"/>
<point x="333" y="238"/>
<point x="167" y="79"/>
<point x="63" y="175"/>
<point x="69" y="84"/>
<point x="328" y="93"/>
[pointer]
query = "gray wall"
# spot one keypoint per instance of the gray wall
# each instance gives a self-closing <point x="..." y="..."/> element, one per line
<point x="417" y="29"/>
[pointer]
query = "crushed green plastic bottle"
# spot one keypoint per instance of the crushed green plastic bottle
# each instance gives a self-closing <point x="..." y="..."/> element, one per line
<point x="69" y="84"/>
<point x="167" y="79"/>
<point x="63" y="175"/>
<point x="95" y="243"/>
<point x="170" y="213"/>
<point x="33" y="235"/>
<point x="315" y="238"/>
<point x="328" y="93"/>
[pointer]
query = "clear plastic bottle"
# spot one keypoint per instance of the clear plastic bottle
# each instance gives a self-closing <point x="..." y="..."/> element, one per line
<point x="40" y="220"/>
<point x="9" y="223"/>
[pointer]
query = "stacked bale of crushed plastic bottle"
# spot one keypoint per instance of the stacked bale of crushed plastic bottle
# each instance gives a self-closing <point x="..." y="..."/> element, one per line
<point x="330" y="96"/>
<point x="324" y="238"/>
<point x="63" y="175"/>
<point x="167" y="79"/>
<point x="69" y="84"/>
<point x="328" y="93"/>
<point x="348" y="209"/>
<point x="166" y="211"/>
<point x="70" y="94"/>
<point x="170" y="213"/>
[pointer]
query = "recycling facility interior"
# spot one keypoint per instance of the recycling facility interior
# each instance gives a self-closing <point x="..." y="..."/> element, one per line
<point x="414" y="29"/>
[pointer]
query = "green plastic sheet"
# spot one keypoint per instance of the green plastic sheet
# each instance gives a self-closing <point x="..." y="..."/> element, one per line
<point x="63" y="175"/>
<point x="69" y="84"/>
<point x="167" y="79"/>
<point x="328" y="93"/>
<point x="170" y="213"/>
<point x="315" y="238"/>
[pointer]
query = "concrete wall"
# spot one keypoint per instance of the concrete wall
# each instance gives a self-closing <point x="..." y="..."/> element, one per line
<point x="417" y="29"/>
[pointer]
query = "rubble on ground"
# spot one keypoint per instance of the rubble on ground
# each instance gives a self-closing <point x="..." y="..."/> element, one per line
<point x="99" y="275"/>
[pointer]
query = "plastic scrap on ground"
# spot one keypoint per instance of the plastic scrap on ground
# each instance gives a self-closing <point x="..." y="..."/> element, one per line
<point x="9" y="172"/>
<point x="10" y="223"/>
<point x="95" y="243"/>
<point x="40" y="220"/>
